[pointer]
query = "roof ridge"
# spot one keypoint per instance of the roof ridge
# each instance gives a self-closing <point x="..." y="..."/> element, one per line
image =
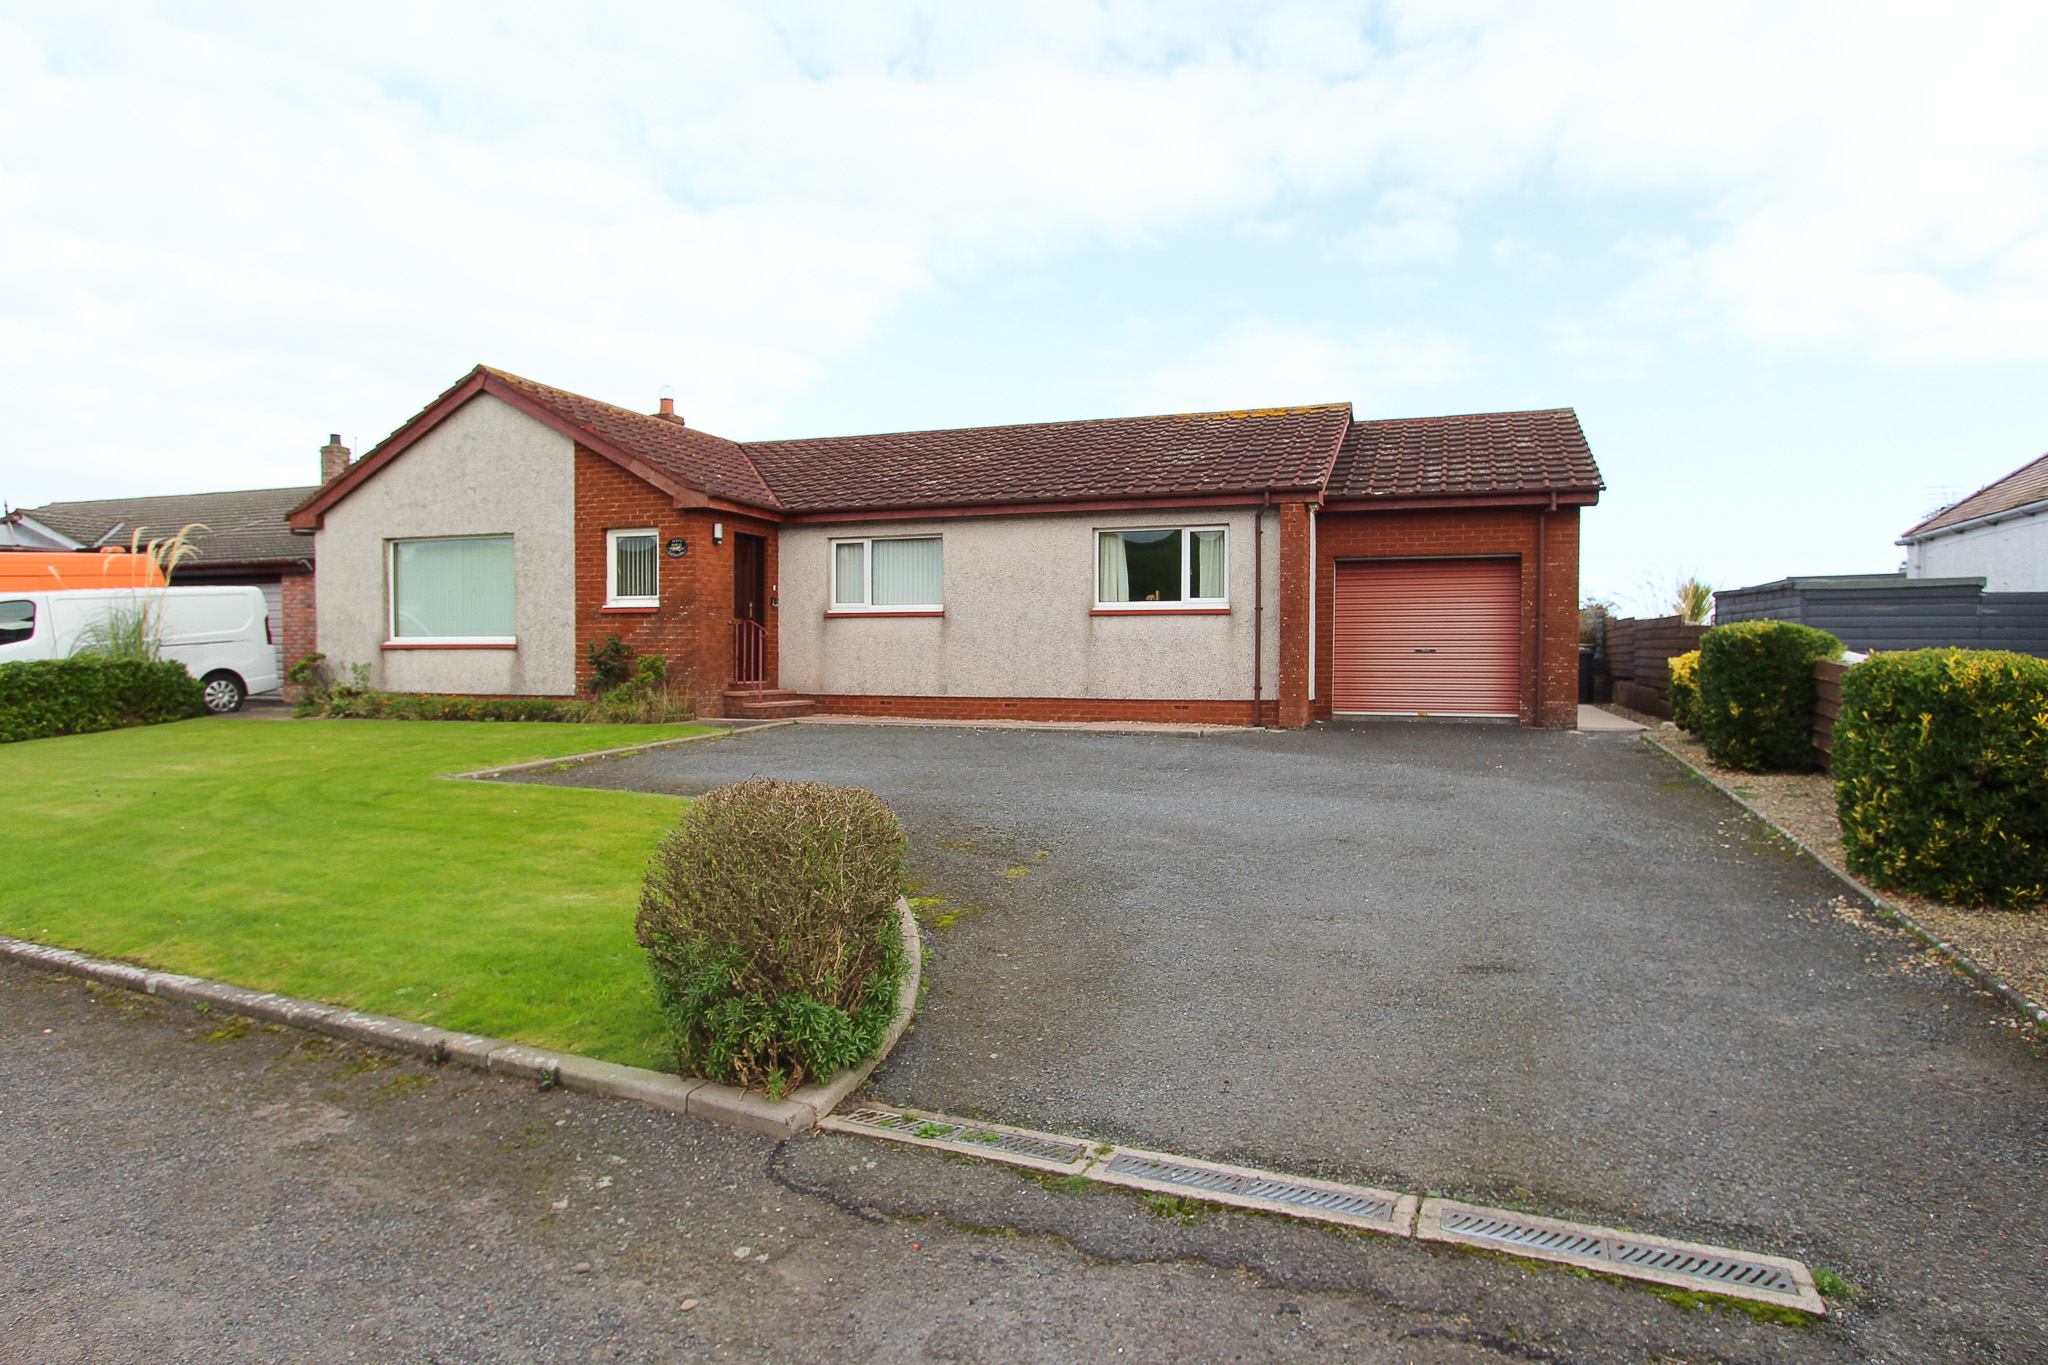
<point x="1469" y="416"/>
<point x="1068" y="422"/>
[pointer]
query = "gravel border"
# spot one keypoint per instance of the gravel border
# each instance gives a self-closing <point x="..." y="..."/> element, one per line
<point x="1956" y="957"/>
<point x="799" y="1110"/>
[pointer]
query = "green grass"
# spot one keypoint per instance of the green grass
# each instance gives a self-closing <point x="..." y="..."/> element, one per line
<point x="324" y="859"/>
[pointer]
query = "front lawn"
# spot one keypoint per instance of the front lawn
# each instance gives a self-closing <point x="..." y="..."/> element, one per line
<point x="324" y="859"/>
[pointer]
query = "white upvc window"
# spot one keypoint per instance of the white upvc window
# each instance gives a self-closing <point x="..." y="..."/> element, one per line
<point x="903" y="574"/>
<point x="1165" y="568"/>
<point x="632" y="568"/>
<point x="453" y="590"/>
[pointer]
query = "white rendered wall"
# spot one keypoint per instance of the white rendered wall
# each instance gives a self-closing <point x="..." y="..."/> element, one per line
<point x="488" y="469"/>
<point x="1019" y="591"/>
<point x="2010" y="557"/>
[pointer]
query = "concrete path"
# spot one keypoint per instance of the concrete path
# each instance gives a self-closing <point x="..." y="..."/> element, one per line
<point x="1594" y="719"/>
<point x="1538" y="969"/>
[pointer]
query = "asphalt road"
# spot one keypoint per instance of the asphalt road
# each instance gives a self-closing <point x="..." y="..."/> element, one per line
<point x="1539" y="969"/>
<point x="177" y="1187"/>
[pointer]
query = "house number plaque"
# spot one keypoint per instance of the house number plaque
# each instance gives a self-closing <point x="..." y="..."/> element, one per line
<point x="678" y="547"/>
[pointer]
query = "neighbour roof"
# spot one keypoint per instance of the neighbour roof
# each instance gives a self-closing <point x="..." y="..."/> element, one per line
<point x="245" y="528"/>
<point x="2027" y="484"/>
<point x="1477" y="453"/>
<point x="712" y="463"/>
<point x="1181" y="455"/>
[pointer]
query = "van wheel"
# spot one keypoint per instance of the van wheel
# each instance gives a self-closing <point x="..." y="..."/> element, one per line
<point x="223" y="693"/>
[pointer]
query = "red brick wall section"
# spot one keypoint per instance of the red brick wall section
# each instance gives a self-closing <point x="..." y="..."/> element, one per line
<point x="692" y="628"/>
<point x="1294" y="616"/>
<point x="1045" y="709"/>
<point x="1479" y="531"/>
<point x="300" y="627"/>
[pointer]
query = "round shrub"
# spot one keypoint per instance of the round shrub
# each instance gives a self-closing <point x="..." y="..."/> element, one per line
<point x="1757" y="694"/>
<point x="770" y="927"/>
<point x="1685" y="691"/>
<point x="1941" y="774"/>
<point x="88" y="692"/>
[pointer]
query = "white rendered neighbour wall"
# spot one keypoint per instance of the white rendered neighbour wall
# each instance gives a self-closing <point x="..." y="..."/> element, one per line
<point x="1019" y="591"/>
<point x="2011" y="556"/>
<point x="488" y="469"/>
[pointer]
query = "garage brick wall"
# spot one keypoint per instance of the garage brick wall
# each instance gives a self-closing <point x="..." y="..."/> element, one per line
<point x="1436" y="533"/>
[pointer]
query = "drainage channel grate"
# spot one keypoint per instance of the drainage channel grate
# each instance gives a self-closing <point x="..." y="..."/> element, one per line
<point x="1351" y="1205"/>
<point x="1020" y="1146"/>
<point x="1715" y="1270"/>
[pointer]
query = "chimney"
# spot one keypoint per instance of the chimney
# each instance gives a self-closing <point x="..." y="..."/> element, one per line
<point x="333" y="459"/>
<point x="668" y="405"/>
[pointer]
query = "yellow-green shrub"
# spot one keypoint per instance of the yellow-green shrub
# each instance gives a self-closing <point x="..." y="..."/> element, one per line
<point x="1685" y="690"/>
<point x="1757" y="694"/>
<point x="1941" y="774"/>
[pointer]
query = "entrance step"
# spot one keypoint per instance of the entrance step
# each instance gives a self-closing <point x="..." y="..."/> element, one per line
<point x="773" y="703"/>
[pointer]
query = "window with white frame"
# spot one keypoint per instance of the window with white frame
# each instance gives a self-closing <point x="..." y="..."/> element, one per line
<point x="632" y="572"/>
<point x="456" y="591"/>
<point x="905" y="574"/>
<point x="1162" y="569"/>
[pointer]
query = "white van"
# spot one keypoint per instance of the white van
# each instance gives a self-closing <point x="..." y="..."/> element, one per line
<point x="222" y="635"/>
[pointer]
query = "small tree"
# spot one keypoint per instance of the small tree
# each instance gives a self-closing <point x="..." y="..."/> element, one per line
<point x="1694" y="601"/>
<point x="611" y="663"/>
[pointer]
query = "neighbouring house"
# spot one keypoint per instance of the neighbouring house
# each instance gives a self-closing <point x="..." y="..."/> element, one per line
<point x="246" y="542"/>
<point x="1267" y="565"/>
<point x="1998" y="534"/>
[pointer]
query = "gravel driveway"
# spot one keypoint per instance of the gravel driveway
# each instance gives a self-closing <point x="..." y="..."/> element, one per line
<point x="1547" y="970"/>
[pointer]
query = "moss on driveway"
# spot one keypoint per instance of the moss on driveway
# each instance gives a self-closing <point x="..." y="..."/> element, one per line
<point x="326" y="859"/>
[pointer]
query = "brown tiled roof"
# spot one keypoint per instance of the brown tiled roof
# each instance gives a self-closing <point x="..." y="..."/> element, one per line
<point x="2028" y="483"/>
<point x="1470" y="455"/>
<point x="1183" y="455"/>
<point x="246" y="527"/>
<point x="718" y="466"/>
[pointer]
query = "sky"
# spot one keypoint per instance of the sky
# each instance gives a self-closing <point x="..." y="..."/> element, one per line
<point x="1788" y="260"/>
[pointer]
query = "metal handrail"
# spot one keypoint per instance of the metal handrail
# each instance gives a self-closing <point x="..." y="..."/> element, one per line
<point x="750" y="654"/>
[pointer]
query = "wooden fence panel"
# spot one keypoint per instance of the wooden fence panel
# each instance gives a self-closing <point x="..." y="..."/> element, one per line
<point x="1827" y="678"/>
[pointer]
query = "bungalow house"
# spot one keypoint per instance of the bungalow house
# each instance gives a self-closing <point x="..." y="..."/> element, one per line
<point x="1998" y="534"/>
<point x="1271" y="565"/>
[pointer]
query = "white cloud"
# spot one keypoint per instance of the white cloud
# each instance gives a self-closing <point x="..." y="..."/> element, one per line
<point x="231" y="228"/>
<point x="1264" y="364"/>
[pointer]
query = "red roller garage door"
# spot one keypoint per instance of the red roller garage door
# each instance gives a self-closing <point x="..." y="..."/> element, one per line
<point x="1429" y="636"/>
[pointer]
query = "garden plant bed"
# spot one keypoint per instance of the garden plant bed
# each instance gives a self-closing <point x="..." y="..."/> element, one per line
<point x="2013" y="944"/>
<point x="328" y="860"/>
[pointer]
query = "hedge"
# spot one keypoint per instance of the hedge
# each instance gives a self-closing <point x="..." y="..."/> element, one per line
<point x="75" y="696"/>
<point x="1757" y="694"/>
<point x="771" y="932"/>
<point x="1685" y="691"/>
<point x="1941" y="774"/>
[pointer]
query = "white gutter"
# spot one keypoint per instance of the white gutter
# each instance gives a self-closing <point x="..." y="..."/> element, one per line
<point x="2025" y="509"/>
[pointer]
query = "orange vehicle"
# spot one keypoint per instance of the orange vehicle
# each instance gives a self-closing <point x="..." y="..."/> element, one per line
<point x="36" y="571"/>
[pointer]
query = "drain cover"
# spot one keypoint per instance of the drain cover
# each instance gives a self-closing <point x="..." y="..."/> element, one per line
<point x="1352" y="1205"/>
<point x="1019" y="1146"/>
<point x="1713" y="1270"/>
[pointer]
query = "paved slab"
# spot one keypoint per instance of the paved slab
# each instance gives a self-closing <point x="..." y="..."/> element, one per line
<point x="1595" y="719"/>
<point x="1540" y="970"/>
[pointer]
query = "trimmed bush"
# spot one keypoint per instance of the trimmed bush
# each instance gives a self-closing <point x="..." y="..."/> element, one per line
<point x="1941" y="774"/>
<point x="1757" y="693"/>
<point x="1685" y="691"/>
<point x="770" y="927"/>
<point x="75" y="696"/>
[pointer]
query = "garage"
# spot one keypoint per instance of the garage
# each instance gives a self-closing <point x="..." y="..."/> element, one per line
<point x="1427" y="637"/>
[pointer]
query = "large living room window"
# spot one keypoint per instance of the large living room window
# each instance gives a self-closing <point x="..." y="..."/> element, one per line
<point x="1172" y="568"/>
<point x="456" y="591"/>
<point x="632" y="568"/>
<point x="900" y="575"/>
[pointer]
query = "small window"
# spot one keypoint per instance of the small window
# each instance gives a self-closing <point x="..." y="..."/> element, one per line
<point x="17" y="621"/>
<point x="458" y="591"/>
<point x="1161" y="569"/>
<point x="888" y="575"/>
<point x="633" y="572"/>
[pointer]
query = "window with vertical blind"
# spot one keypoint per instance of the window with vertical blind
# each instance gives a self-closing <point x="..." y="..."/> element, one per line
<point x="457" y="591"/>
<point x="1171" y="568"/>
<point x="632" y="568"/>
<point x="899" y="575"/>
